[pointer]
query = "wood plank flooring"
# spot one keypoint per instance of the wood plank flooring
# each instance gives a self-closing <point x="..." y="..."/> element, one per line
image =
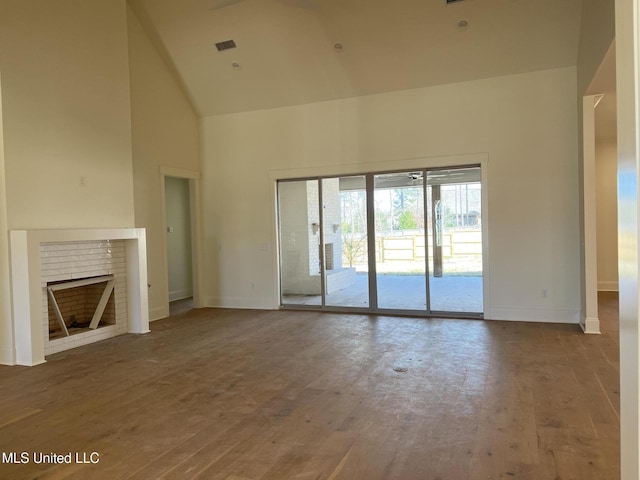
<point x="240" y="395"/>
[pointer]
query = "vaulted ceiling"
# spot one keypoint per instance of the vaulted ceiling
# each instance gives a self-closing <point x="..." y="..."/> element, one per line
<point x="286" y="50"/>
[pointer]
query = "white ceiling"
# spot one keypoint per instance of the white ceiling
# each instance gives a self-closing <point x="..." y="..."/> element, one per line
<point x="286" y="52"/>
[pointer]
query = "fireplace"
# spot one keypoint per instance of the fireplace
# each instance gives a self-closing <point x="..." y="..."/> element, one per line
<point x="328" y="256"/>
<point x="84" y="286"/>
<point x="74" y="287"/>
<point x="79" y="306"/>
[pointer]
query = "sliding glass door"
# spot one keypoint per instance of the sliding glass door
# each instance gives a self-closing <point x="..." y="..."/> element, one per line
<point x="346" y="251"/>
<point x="397" y="242"/>
<point x="455" y="240"/>
<point x="400" y="241"/>
<point x="300" y="275"/>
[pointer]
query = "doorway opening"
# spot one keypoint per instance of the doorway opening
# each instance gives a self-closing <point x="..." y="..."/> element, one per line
<point x="599" y="188"/>
<point x="394" y="242"/>
<point x="178" y="217"/>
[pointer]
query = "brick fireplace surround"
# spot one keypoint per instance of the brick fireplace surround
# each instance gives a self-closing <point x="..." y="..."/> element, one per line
<point x="88" y="252"/>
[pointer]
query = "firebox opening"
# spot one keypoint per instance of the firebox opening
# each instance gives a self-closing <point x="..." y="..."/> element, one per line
<point x="82" y="305"/>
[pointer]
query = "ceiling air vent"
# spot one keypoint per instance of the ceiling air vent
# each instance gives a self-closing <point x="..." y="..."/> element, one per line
<point x="453" y="1"/>
<point x="226" y="45"/>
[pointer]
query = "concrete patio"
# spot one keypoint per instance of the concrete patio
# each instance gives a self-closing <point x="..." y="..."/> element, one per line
<point x="405" y="292"/>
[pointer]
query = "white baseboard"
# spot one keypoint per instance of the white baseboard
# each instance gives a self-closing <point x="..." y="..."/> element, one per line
<point x="180" y="294"/>
<point x="241" y="302"/>
<point x="591" y="325"/>
<point x="7" y="356"/>
<point x="516" y="314"/>
<point x="545" y="315"/>
<point x="157" y="313"/>
<point x="34" y="364"/>
<point x="608" y="286"/>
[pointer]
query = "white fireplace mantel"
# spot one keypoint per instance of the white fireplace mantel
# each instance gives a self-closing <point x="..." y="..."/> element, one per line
<point x="27" y="289"/>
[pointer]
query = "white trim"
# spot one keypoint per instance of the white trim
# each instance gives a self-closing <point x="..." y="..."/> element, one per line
<point x="628" y="121"/>
<point x="56" y="309"/>
<point x="179" y="173"/>
<point x="591" y="326"/>
<point x="608" y="286"/>
<point x="27" y="291"/>
<point x="251" y="303"/>
<point x="80" y="283"/>
<point x="7" y="356"/>
<point x="180" y="294"/>
<point x="523" y="314"/>
<point x="275" y="236"/>
<point x="589" y="230"/>
<point x="7" y="351"/>
<point x="486" y="270"/>
<point x="195" y="208"/>
<point x="384" y="166"/>
<point x="26" y="310"/>
<point x="97" y="315"/>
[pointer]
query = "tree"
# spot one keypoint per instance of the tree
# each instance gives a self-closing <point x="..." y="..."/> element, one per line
<point x="408" y="208"/>
<point x="354" y="248"/>
<point x="406" y="221"/>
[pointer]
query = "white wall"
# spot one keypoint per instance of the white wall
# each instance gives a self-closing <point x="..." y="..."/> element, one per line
<point x="525" y="124"/>
<point x="607" y="215"/>
<point x="84" y="94"/>
<point x="66" y="109"/>
<point x="178" y="213"/>
<point x="165" y="132"/>
<point x="65" y="115"/>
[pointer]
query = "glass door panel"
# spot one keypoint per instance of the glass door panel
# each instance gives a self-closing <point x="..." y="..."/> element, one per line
<point x="344" y="220"/>
<point x="400" y="241"/>
<point x="372" y="241"/>
<point x="454" y="199"/>
<point x="299" y="225"/>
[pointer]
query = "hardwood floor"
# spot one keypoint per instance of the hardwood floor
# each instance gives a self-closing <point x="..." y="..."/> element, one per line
<point x="237" y="395"/>
<point x="178" y="307"/>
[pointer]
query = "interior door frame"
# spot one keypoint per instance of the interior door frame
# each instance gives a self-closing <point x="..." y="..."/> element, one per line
<point x="195" y="214"/>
